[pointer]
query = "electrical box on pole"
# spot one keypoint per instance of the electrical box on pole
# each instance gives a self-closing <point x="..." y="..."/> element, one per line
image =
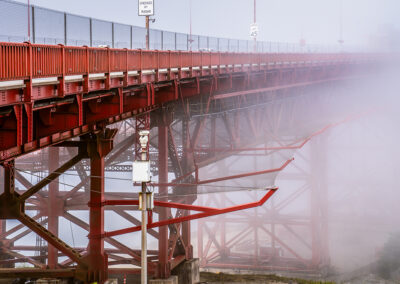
<point x="141" y="171"/>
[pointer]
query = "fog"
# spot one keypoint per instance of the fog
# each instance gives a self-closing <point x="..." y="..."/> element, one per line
<point x="345" y="178"/>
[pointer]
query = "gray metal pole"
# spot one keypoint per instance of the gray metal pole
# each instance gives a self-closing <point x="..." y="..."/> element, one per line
<point x="144" y="234"/>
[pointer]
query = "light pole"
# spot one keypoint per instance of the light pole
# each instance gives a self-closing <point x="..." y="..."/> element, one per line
<point x="255" y="21"/>
<point x="254" y="27"/>
<point x="190" y="25"/>
<point x="341" y="41"/>
<point x="29" y="20"/>
<point x="147" y="32"/>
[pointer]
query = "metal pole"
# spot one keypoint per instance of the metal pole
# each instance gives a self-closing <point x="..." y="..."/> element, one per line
<point x="29" y="20"/>
<point x="190" y="25"/>
<point x="147" y="32"/>
<point x="143" y="197"/>
<point x="255" y="20"/>
<point x="144" y="232"/>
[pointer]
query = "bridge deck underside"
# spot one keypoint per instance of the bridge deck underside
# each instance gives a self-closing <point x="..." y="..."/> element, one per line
<point x="198" y="116"/>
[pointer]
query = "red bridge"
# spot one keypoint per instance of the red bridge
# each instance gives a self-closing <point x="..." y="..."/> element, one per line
<point x="204" y="107"/>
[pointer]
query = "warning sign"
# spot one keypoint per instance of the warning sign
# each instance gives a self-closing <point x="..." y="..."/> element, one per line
<point x="146" y="7"/>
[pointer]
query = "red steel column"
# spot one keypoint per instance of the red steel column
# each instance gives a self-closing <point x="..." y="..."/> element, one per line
<point x="52" y="206"/>
<point x="320" y="251"/>
<point x="164" y="267"/>
<point x="3" y="226"/>
<point x="97" y="257"/>
<point x="99" y="146"/>
<point x="186" y="162"/>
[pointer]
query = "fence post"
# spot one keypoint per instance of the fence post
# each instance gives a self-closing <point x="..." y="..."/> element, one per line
<point x="108" y="76"/>
<point x="65" y="29"/>
<point x="131" y="37"/>
<point x="91" y="32"/>
<point x="86" y="75"/>
<point x="61" y="79"/>
<point x="162" y="40"/>
<point x="176" y="44"/>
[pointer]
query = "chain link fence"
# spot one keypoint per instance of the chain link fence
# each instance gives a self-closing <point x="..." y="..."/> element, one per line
<point x="54" y="27"/>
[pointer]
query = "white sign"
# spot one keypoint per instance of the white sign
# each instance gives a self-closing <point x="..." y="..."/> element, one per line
<point x="146" y="7"/>
<point x="253" y="30"/>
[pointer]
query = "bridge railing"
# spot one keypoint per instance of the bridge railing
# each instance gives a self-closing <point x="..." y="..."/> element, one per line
<point x="54" y="27"/>
<point x="25" y="60"/>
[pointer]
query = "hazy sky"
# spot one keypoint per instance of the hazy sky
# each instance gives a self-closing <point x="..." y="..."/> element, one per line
<point x="279" y="20"/>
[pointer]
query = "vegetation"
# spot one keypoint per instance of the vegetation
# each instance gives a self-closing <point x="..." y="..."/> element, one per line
<point x="389" y="261"/>
<point x="243" y="278"/>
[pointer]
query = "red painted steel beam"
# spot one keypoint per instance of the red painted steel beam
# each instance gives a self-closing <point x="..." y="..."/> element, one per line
<point x="51" y="177"/>
<point x="53" y="240"/>
<point x="269" y="89"/>
<point x="61" y="135"/>
<point x="164" y="268"/>
<point x="211" y="212"/>
<point x="248" y="174"/>
<point x="167" y="204"/>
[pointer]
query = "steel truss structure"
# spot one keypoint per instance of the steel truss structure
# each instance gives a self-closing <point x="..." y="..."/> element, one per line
<point x="273" y="238"/>
<point x="200" y="107"/>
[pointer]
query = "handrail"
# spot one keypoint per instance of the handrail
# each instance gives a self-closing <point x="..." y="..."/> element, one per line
<point x="60" y="60"/>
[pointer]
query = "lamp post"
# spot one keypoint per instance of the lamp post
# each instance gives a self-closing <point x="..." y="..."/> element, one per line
<point x="255" y="21"/>
<point x="190" y="25"/>
<point x="29" y="20"/>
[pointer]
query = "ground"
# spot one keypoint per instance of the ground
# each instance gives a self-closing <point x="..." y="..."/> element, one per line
<point x="211" y="278"/>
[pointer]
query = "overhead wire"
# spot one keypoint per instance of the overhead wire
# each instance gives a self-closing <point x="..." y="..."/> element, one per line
<point x="238" y="188"/>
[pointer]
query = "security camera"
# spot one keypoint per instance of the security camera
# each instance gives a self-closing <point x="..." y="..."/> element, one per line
<point x="144" y="138"/>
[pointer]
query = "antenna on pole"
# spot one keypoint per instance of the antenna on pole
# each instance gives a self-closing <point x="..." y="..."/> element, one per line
<point x="254" y="27"/>
<point x="341" y="41"/>
<point x="255" y="23"/>
<point x="190" y="25"/>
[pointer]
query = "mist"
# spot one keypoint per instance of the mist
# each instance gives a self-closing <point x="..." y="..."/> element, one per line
<point x="329" y="150"/>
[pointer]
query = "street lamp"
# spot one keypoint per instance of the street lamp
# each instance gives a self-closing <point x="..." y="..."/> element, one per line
<point x="29" y="20"/>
